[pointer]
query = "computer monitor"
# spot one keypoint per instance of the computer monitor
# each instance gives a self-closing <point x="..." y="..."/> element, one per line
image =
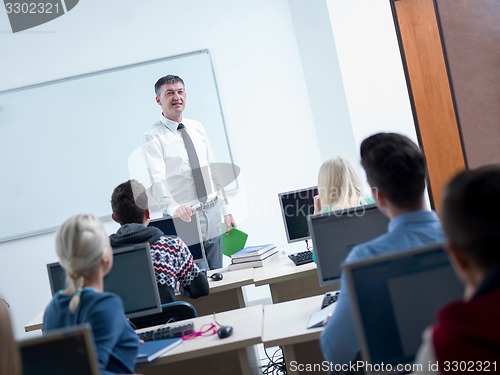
<point x="295" y="207"/>
<point x="189" y="232"/>
<point x="60" y="352"/>
<point x="335" y="233"/>
<point x="395" y="297"/>
<point x="132" y="278"/>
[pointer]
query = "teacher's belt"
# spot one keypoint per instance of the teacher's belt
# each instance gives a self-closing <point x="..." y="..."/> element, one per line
<point x="209" y="204"/>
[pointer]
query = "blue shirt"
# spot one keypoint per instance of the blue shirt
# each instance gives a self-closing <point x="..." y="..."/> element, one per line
<point x="116" y="342"/>
<point x="338" y="340"/>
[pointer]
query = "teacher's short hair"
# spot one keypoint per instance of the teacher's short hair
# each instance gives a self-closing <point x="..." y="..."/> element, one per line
<point x="167" y="79"/>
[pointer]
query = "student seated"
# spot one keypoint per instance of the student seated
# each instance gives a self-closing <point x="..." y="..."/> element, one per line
<point x="466" y="334"/>
<point x="10" y="363"/>
<point x="172" y="261"/>
<point x="339" y="187"/>
<point x="84" y="252"/>
<point x="396" y="172"/>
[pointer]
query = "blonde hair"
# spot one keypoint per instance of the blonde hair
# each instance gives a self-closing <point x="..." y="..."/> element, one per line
<point x="339" y="186"/>
<point x="10" y="363"/>
<point x="81" y="242"/>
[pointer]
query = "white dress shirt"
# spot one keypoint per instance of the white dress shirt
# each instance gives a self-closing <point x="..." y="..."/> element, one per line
<point x="169" y="167"/>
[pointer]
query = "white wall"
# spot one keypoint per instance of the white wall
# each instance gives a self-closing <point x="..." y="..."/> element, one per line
<point x="320" y="59"/>
<point x="267" y="87"/>
<point x="371" y="68"/>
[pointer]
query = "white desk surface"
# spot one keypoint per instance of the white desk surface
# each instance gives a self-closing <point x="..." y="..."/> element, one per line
<point x="36" y="323"/>
<point x="286" y="323"/>
<point x="281" y="269"/>
<point x="247" y="331"/>
<point x="232" y="279"/>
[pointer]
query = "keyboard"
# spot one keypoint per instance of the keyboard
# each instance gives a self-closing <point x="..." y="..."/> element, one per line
<point x="167" y="332"/>
<point x="329" y="298"/>
<point x="301" y="258"/>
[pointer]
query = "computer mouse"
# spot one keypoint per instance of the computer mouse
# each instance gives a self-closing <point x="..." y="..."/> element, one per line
<point x="224" y="331"/>
<point x="217" y="276"/>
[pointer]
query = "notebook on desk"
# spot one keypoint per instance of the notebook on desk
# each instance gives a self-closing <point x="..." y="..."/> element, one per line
<point x="151" y="350"/>
<point x="395" y="297"/>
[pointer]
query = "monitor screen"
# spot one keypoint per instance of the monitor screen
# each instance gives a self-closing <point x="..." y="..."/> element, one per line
<point x="60" y="352"/>
<point x="395" y="297"/>
<point x="295" y="207"/>
<point x="131" y="277"/>
<point x="334" y="234"/>
<point x="190" y="233"/>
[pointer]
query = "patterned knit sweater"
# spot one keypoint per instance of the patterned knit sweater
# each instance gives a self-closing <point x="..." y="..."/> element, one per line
<point x="172" y="262"/>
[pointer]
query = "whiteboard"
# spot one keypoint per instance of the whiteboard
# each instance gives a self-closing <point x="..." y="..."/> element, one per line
<point x="68" y="143"/>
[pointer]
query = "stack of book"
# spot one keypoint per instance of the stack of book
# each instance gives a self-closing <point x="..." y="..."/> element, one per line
<point x="252" y="256"/>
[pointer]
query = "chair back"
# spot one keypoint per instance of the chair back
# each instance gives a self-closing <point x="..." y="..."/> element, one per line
<point x="171" y="312"/>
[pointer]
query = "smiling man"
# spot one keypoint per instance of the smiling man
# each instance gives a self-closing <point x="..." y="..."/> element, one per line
<point x="182" y="168"/>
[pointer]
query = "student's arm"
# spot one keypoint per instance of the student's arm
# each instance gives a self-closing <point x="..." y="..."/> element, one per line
<point x="193" y="283"/>
<point x="338" y="341"/>
<point x="198" y="287"/>
<point x="426" y="357"/>
<point x="107" y="321"/>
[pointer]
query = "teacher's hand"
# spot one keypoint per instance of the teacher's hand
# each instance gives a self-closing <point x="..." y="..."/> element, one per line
<point x="184" y="211"/>
<point x="230" y="223"/>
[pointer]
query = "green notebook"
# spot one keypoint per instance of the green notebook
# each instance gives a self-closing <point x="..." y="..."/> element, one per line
<point x="233" y="242"/>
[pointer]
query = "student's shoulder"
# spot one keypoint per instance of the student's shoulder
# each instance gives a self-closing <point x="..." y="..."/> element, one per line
<point x="171" y="244"/>
<point x="377" y="246"/>
<point x="167" y="241"/>
<point x="103" y="298"/>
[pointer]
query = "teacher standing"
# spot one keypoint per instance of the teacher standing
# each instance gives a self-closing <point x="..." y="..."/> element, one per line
<point x="182" y="168"/>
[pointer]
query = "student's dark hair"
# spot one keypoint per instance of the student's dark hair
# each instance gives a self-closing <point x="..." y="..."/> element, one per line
<point x="128" y="202"/>
<point x="396" y="167"/>
<point x="471" y="214"/>
<point x="167" y="79"/>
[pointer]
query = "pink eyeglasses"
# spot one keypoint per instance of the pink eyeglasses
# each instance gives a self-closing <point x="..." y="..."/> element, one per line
<point x="208" y="329"/>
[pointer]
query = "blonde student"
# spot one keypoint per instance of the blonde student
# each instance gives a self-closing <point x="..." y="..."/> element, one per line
<point x="339" y="187"/>
<point x="84" y="251"/>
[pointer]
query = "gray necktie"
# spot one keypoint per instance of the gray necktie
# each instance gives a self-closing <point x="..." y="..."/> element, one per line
<point x="201" y="190"/>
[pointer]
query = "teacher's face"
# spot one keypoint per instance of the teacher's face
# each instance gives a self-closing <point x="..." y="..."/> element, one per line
<point x="172" y="100"/>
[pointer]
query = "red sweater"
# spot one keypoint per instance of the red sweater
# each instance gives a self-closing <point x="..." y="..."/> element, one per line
<point x="469" y="331"/>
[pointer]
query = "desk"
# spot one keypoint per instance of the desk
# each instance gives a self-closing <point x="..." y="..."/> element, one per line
<point x="225" y="294"/>
<point x="235" y="355"/>
<point x="35" y="324"/>
<point x="287" y="281"/>
<point x="285" y="325"/>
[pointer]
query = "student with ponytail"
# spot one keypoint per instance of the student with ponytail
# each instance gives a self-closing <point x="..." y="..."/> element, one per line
<point x="83" y="249"/>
